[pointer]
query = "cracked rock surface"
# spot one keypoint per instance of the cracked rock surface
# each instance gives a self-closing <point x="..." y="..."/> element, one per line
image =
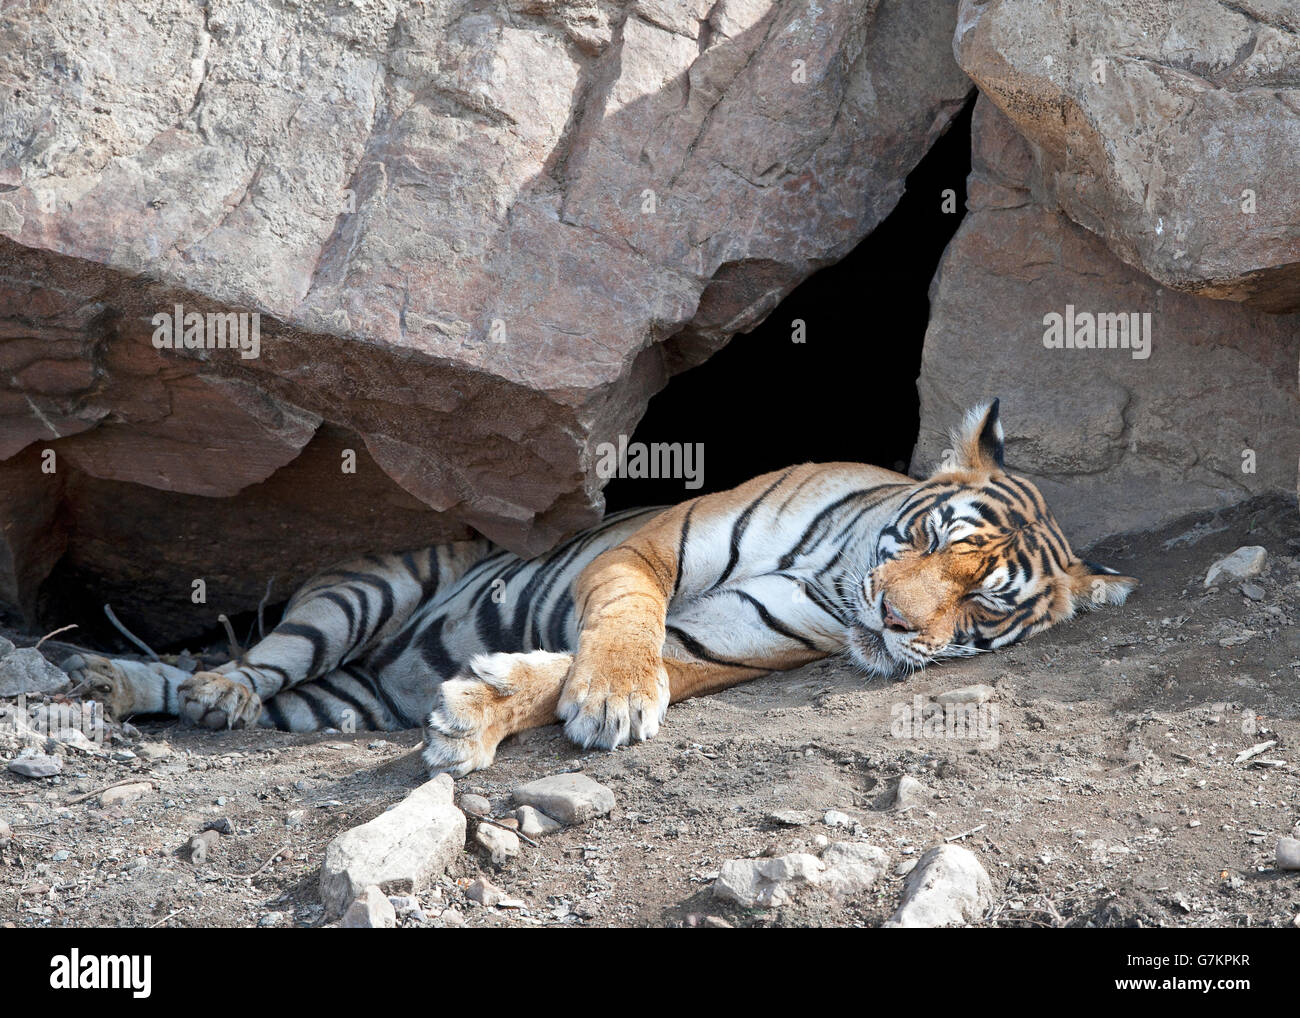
<point x="1207" y="419"/>
<point x="479" y="236"/>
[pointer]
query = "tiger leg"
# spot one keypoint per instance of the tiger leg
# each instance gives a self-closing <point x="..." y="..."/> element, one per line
<point x="499" y="695"/>
<point x="334" y="619"/>
<point x="348" y="699"/>
<point x="125" y="686"/>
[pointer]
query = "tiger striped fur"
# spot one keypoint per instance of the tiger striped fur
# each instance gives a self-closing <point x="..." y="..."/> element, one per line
<point x="650" y="607"/>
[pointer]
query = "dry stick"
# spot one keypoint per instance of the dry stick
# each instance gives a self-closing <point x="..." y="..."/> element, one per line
<point x="154" y="926"/>
<point x="54" y="633"/>
<point x="273" y="856"/>
<point x="236" y="651"/>
<point x="94" y="792"/>
<point x="513" y="830"/>
<point x="108" y="610"/>
<point x="261" y="630"/>
<point x="965" y="834"/>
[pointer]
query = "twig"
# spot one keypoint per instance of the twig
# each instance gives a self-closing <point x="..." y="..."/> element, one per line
<point x="236" y="651"/>
<point x="154" y="926"/>
<point x="270" y="859"/>
<point x="261" y="630"/>
<point x="1255" y="750"/>
<point x="965" y="834"/>
<point x="513" y="830"/>
<point x="94" y="792"/>
<point x="54" y="633"/>
<point x="108" y="610"/>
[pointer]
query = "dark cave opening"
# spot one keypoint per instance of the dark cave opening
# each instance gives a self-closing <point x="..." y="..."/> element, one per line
<point x="848" y="391"/>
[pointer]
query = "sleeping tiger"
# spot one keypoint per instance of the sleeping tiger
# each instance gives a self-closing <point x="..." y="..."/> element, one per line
<point x="650" y="607"/>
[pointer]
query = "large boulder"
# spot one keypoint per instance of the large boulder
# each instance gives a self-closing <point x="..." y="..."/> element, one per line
<point x="1117" y="439"/>
<point x="1168" y="129"/>
<point x="478" y="236"/>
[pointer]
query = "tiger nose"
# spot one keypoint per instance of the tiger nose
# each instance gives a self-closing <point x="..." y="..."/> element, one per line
<point x="892" y="619"/>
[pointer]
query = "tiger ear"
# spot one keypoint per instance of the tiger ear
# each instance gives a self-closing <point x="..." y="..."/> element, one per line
<point x="1093" y="586"/>
<point x="979" y="443"/>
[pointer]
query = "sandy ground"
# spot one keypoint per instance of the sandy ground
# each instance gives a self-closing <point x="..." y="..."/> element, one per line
<point x="1109" y="797"/>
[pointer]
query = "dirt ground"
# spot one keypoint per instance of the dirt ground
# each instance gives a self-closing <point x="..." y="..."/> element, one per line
<point x="1111" y="796"/>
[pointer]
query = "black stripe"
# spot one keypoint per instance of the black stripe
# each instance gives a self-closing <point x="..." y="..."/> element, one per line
<point x="328" y="684"/>
<point x="741" y="525"/>
<point x="772" y="622"/>
<point x="695" y="647"/>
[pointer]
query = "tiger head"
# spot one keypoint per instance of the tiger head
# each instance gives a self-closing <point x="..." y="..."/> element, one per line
<point x="972" y="560"/>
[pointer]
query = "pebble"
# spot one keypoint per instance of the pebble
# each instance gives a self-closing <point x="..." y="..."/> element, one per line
<point x="295" y="818"/>
<point x="371" y="910"/>
<point x="153" y="751"/>
<point x="403" y="850"/>
<point x="790" y="818"/>
<point x="1288" y="853"/>
<point x="221" y="825"/>
<point x="834" y="818"/>
<point x="852" y="867"/>
<point x="534" y="823"/>
<point x="501" y="846"/>
<point x="568" y="798"/>
<point x="30" y="764"/>
<point x="485" y="893"/>
<point x="274" y="919"/>
<point x="62" y="855"/>
<point x="6" y="835"/>
<point x="124" y="793"/>
<point x="452" y="917"/>
<point x="1242" y="564"/>
<point x="1253" y="591"/>
<point x="122" y="756"/>
<point x="475" y="805"/>
<point x="948" y="887"/>
<point x="404" y="904"/>
<point x="910" y="792"/>
<point x="967" y="694"/>
<point x="767" y="883"/>
<point x="27" y="672"/>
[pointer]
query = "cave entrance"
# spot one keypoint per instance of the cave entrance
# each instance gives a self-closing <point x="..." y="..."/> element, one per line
<point x="848" y="391"/>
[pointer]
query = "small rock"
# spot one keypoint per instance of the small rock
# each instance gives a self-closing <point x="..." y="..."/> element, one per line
<point x="790" y="818"/>
<point x="485" y="893"/>
<point x="910" y="792"/>
<point x="452" y="917"/>
<point x="834" y="818"/>
<point x="274" y="919"/>
<point x="948" y="887"/>
<point x="1288" y="854"/>
<point x="534" y="823"/>
<point x="62" y="855"/>
<point x="1253" y="591"/>
<point x="295" y="818"/>
<point x="715" y="922"/>
<point x="475" y="805"/>
<point x="967" y="694"/>
<point x="26" y="672"/>
<point x="221" y="825"/>
<point x="153" y="751"/>
<point x="371" y="910"/>
<point x="122" y="756"/>
<point x="766" y="883"/>
<point x="401" y="850"/>
<point x="31" y="764"/>
<point x="6" y="835"/>
<point x="501" y="846"/>
<point x="1242" y="564"/>
<point x="124" y="793"/>
<point x="568" y="798"/>
<point x="404" y="904"/>
<point x="852" y="867"/>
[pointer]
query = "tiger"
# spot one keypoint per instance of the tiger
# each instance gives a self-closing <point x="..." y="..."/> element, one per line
<point x="650" y="607"/>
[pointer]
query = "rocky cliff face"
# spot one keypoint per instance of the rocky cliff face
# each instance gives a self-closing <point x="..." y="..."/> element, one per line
<point x="1170" y="130"/>
<point x="477" y="236"/>
<point x="1198" y="409"/>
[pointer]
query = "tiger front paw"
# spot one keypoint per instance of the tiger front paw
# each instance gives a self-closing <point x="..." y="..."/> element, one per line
<point x="460" y="735"/>
<point x="101" y="678"/>
<point x="609" y="701"/>
<point x="211" y="700"/>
